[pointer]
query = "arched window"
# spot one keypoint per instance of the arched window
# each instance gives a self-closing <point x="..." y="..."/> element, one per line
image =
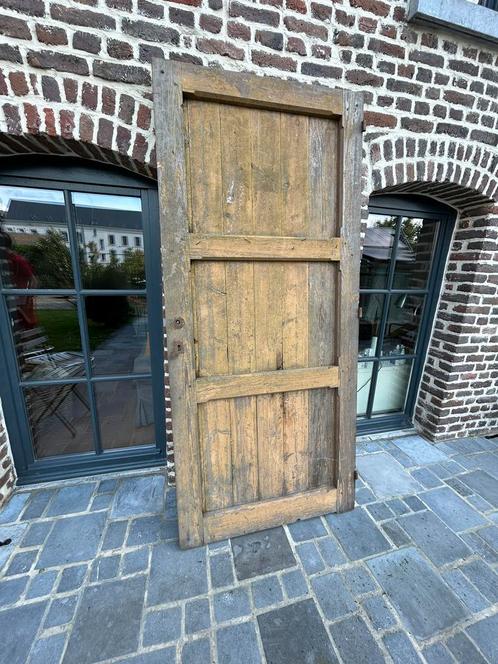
<point x="404" y="250"/>
<point x="80" y="318"/>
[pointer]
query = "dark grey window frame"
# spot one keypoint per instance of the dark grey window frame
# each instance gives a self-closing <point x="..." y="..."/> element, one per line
<point x="78" y="175"/>
<point x="406" y="206"/>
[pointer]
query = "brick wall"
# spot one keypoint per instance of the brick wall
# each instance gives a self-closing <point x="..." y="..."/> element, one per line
<point x="75" y="79"/>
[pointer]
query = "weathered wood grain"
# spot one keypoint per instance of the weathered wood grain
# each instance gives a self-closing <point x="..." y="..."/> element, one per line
<point x="263" y="248"/>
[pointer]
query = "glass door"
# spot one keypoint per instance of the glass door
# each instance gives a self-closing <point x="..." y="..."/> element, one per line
<point x="404" y="247"/>
<point x="80" y="301"/>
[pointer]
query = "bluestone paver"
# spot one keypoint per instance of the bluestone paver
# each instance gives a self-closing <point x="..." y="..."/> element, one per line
<point x="48" y="650"/>
<point x="438" y="653"/>
<point x="238" y="643"/>
<point x="465" y="590"/>
<point x="438" y="542"/>
<point x="21" y="563"/>
<point x="485" y="634"/>
<point x="11" y="511"/>
<point x="139" y="495"/>
<point x="483" y="577"/>
<point x="186" y="577"/>
<point x="136" y="561"/>
<point x="13" y="533"/>
<point x="464" y="650"/>
<point x="73" y="540"/>
<point x="18" y="627"/>
<point x="295" y="584"/>
<point x="331" y="552"/>
<point x="221" y="570"/>
<point x="420" y="450"/>
<point x="425" y="602"/>
<point x="378" y="612"/>
<point x="116" y="603"/>
<point x="37" y="533"/>
<point x="71" y="499"/>
<point x="453" y="510"/>
<point x="38" y="503"/>
<point x="357" y="534"/>
<point x="359" y="580"/>
<point x="386" y="476"/>
<point x="72" y="578"/>
<point x="41" y="584"/>
<point x="395" y="533"/>
<point x="333" y="596"/>
<point x="197" y="616"/>
<point x="295" y="634"/>
<point x="230" y="604"/>
<point x="12" y="589"/>
<point x="261" y="553"/>
<point x="162" y="626"/>
<point x="61" y="611"/>
<point x="483" y="484"/>
<point x="401" y="648"/>
<point x="307" y="529"/>
<point x="355" y="642"/>
<point x="266" y="591"/>
<point x="310" y="557"/>
<point x="196" y="652"/>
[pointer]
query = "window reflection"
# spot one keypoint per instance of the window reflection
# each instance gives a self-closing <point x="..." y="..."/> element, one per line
<point x="365" y="370"/>
<point x="34" y="239"/>
<point x="413" y="257"/>
<point x="118" y="334"/>
<point x="403" y="323"/>
<point x="107" y="226"/>
<point x="48" y="343"/>
<point x="371" y="307"/>
<point x="377" y="248"/>
<point x="392" y="385"/>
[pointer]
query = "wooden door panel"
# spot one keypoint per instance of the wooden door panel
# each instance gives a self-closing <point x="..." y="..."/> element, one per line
<point x="254" y="231"/>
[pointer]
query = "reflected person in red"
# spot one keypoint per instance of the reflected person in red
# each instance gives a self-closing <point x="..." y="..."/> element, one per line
<point x="18" y="273"/>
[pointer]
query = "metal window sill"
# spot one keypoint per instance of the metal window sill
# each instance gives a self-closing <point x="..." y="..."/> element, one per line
<point x="458" y="15"/>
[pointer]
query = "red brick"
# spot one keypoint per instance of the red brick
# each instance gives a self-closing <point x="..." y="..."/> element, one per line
<point x="238" y="31"/>
<point x="375" y="119"/>
<point x="295" y="45"/>
<point x="219" y="47"/>
<point x="372" y="6"/>
<point x="264" y="59"/>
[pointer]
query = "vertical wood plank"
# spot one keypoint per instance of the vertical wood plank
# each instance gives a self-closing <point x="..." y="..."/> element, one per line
<point x="351" y="155"/>
<point x="236" y="179"/>
<point x="294" y="160"/>
<point x="210" y="300"/>
<point x="173" y="215"/>
<point x="323" y="296"/>
<point x="268" y="282"/>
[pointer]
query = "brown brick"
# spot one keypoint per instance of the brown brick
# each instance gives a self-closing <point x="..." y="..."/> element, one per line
<point x="457" y="131"/>
<point x="108" y="100"/>
<point x="123" y="139"/>
<point x="274" y="40"/>
<point x="89" y="96"/>
<point x="59" y="61"/>
<point x="29" y="7"/>
<point x="372" y="6"/>
<point x="238" y="31"/>
<point x="295" y="45"/>
<point x="430" y="59"/>
<point x="84" y="17"/>
<point x="150" y="9"/>
<point x="419" y="126"/>
<point x="111" y="71"/>
<point x="10" y="53"/>
<point x="255" y="14"/>
<point x="321" y="12"/>
<point x="361" y="77"/>
<point x="86" y="128"/>
<point x="14" y="27"/>
<point x="126" y="109"/>
<point x="464" y="67"/>
<point x="264" y="59"/>
<point x="12" y="118"/>
<point x="320" y="71"/>
<point x="367" y="24"/>
<point x="381" y="46"/>
<point x="321" y="51"/>
<point x="71" y="90"/>
<point x="455" y="97"/>
<point x="181" y="17"/>
<point x="405" y="87"/>
<point x="146" y="52"/>
<point x="375" y="119"/>
<point x="352" y="40"/>
<point x="306" y="27"/>
<point x="210" y="23"/>
<point x="66" y="119"/>
<point x="50" y="89"/>
<point x="85" y="41"/>
<point x="488" y="137"/>
<point x="296" y="6"/>
<point x="120" y="50"/>
<point x="150" y="32"/>
<point x="51" y="35"/>
<point x="143" y="117"/>
<point x="105" y="133"/>
<point x="219" y="47"/>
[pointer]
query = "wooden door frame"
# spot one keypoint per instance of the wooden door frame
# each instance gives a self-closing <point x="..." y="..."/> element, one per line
<point x="172" y="82"/>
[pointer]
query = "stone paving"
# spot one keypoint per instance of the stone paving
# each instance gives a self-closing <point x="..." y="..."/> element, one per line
<point x="94" y="573"/>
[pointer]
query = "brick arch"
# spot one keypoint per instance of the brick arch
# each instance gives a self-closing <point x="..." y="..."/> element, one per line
<point x="464" y="176"/>
<point x="457" y="393"/>
<point x="122" y="138"/>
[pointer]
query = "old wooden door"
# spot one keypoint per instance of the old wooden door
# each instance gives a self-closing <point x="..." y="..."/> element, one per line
<point x="259" y="183"/>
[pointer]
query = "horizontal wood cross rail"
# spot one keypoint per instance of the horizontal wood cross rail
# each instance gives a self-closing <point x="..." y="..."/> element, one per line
<point x="242" y="519"/>
<point x="265" y="382"/>
<point x="262" y="247"/>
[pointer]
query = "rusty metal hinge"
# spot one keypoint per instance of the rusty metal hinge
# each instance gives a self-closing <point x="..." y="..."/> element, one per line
<point x="355" y="474"/>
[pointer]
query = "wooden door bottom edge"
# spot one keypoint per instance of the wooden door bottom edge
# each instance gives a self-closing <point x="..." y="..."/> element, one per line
<point x="243" y="519"/>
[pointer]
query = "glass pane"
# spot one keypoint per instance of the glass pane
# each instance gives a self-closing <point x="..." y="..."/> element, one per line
<point x="371" y="306"/>
<point x="59" y="416"/>
<point x="125" y="411"/>
<point x="46" y="336"/>
<point x="392" y="383"/>
<point x="118" y="334"/>
<point x="415" y="248"/>
<point x="110" y="256"/>
<point x="365" y="370"/>
<point x="377" y="247"/>
<point x="403" y="324"/>
<point x="34" y="239"/>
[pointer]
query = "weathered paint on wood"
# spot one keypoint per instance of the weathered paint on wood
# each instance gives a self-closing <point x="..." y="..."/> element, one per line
<point x="258" y="215"/>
